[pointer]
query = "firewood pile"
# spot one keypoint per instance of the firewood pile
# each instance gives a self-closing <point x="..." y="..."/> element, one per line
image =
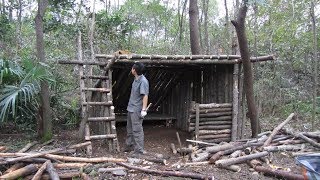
<point x="68" y="162"/>
<point x="254" y="152"/>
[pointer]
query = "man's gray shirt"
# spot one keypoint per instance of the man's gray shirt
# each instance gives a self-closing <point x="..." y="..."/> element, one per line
<point x="140" y="87"/>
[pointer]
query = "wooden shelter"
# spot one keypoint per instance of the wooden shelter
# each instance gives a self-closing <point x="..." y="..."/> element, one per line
<point x="199" y="93"/>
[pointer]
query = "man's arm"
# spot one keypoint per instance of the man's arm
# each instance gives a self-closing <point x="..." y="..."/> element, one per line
<point x="144" y="102"/>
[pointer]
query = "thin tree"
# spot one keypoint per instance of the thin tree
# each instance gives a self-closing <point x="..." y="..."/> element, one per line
<point x="194" y="29"/>
<point x="239" y="25"/>
<point x="44" y="115"/>
<point x="315" y="66"/>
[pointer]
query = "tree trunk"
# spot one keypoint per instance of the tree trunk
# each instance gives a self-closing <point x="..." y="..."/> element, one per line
<point x="180" y="16"/>
<point x="247" y="68"/>
<point x="194" y="29"/>
<point x="44" y="118"/>
<point x="205" y="28"/>
<point x="315" y="60"/>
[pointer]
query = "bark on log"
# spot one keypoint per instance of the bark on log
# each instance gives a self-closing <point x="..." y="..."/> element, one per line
<point x="241" y="147"/>
<point x="215" y="157"/>
<point x="196" y="163"/>
<point x="301" y="136"/>
<point x="309" y="134"/>
<point x="224" y="131"/>
<point x="52" y="171"/>
<point x="82" y="159"/>
<point x="84" y="176"/>
<point x="214" y="136"/>
<point x="283" y="148"/>
<point x="236" y="153"/>
<point x="214" y="105"/>
<point x="291" y="141"/>
<point x="156" y="160"/>
<point x="211" y="123"/>
<point x="201" y="142"/>
<point x="70" y="165"/>
<point x="216" y="114"/>
<point x="294" y="154"/>
<point x="62" y="175"/>
<point x="201" y="157"/>
<point x="276" y="130"/>
<point x="20" y="172"/>
<point x="214" y="149"/>
<point x="167" y="173"/>
<point x="27" y="147"/>
<point x="38" y="175"/>
<point x="233" y="168"/>
<point x="216" y="127"/>
<point x="254" y="162"/>
<point x="219" y="140"/>
<point x="231" y="161"/>
<point x="279" y="173"/>
<point x="221" y="118"/>
<point x="213" y="110"/>
<point x="14" y="167"/>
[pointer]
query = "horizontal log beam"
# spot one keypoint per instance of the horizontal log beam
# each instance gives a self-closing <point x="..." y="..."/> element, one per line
<point x="213" y="119"/>
<point x="217" y="114"/>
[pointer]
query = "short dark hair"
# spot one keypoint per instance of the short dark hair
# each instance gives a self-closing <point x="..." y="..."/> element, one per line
<point x="139" y="67"/>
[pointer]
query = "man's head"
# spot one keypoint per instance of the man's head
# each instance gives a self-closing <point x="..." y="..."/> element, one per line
<point x="137" y="68"/>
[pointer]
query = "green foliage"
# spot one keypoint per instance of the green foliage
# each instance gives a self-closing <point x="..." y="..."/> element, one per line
<point x="19" y="90"/>
<point x="6" y="29"/>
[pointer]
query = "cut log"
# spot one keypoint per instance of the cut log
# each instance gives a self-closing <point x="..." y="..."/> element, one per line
<point x="291" y="141"/>
<point x="218" y="140"/>
<point x="84" y="176"/>
<point x="167" y="173"/>
<point x="82" y="159"/>
<point x="283" y="148"/>
<point x="70" y="165"/>
<point x="52" y="171"/>
<point x="212" y="132"/>
<point x="236" y="153"/>
<point x="178" y="138"/>
<point x="62" y="175"/>
<point x="221" y="118"/>
<point x="214" y="149"/>
<point x="196" y="163"/>
<point x="233" y="168"/>
<point x="216" y="114"/>
<point x="294" y="154"/>
<point x="14" y="167"/>
<point x="216" y="127"/>
<point x="215" y="157"/>
<point x="3" y="148"/>
<point x="201" y="142"/>
<point x="315" y="135"/>
<point x="241" y="147"/>
<point x="231" y="161"/>
<point x="213" y="110"/>
<point x="28" y="146"/>
<point x="201" y="157"/>
<point x="211" y="123"/>
<point x="279" y="173"/>
<point x="216" y="136"/>
<point x="38" y="175"/>
<point x="254" y="162"/>
<point x="276" y="130"/>
<point x="20" y="172"/>
<point x="156" y="160"/>
<point x="214" y="105"/>
<point x="173" y="148"/>
<point x="303" y="137"/>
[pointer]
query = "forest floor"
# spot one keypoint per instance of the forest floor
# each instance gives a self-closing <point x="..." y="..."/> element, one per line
<point x="157" y="141"/>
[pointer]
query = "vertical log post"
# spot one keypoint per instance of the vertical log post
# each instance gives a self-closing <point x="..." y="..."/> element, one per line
<point x="197" y="121"/>
<point x="234" y="132"/>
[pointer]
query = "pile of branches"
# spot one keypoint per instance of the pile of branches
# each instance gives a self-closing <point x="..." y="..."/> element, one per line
<point x="254" y="152"/>
<point x="65" y="163"/>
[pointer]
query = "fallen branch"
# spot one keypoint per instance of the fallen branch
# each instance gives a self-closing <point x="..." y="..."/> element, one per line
<point x="38" y="175"/>
<point x="14" y="167"/>
<point x="167" y="173"/>
<point x="20" y="172"/>
<point x="301" y="136"/>
<point x="82" y="159"/>
<point x="231" y="161"/>
<point x="276" y="130"/>
<point x="278" y="173"/>
<point x="27" y="147"/>
<point x="52" y="171"/>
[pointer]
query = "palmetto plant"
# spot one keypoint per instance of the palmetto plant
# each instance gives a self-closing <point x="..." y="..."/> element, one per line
<point x="19" y="88"/>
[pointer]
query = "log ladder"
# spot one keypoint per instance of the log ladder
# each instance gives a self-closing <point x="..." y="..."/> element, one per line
<point x="102" y="110"/>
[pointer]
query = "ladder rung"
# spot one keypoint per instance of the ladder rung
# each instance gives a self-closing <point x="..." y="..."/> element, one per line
<point x="106" y="136"/>
<point x="96" y="89"/>
<point x="109" y="103"/>
<point x="93" y="119"/>
<point x="94" y="77"/>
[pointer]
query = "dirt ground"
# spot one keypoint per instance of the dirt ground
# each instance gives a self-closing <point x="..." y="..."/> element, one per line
<point x="157" y="141"/>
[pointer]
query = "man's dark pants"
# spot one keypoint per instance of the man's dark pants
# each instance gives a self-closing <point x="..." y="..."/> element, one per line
<point x="135" y="135"/>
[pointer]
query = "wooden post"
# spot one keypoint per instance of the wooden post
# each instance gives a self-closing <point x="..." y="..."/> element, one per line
<point x="234" y="132"/>
<point x="197" y="121"/>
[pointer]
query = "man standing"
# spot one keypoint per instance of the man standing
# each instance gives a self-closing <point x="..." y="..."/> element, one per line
<point x="137" y="110"/>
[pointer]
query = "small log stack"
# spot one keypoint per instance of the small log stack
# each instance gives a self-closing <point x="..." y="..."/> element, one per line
<point x="211" y="122"/>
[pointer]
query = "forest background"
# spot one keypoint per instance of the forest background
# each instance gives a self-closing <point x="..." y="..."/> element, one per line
<point x="286" y="29"/>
